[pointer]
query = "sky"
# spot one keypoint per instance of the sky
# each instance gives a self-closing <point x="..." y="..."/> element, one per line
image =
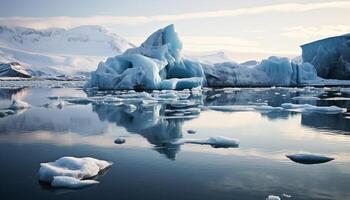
<point x="242" y="28"/>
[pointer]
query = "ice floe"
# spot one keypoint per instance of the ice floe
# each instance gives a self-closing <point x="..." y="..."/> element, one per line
<point x="273" y="197"/>
<point x="312" y="108"/>
<point x="217" y="141"/>
<point x="305" y="158"/>
<point x="71" y="172"/>
<point x="6" y="112"/>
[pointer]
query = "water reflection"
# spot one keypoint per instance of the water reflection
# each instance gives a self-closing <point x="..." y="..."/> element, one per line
<point x="146" y="121"/>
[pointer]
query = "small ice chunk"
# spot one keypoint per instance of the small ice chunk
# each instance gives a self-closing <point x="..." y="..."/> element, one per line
<point x="273" y="197"/>
<point x="190" y="131"/>
<point x="19" y="105"/>
<point x="216" y="142"/>
<point x="286" y="195"/>
<point x="73" y="170"/>
<point x="119" y="140"/>
<point x="304" y="158"/>
<point x="71" y="182"/>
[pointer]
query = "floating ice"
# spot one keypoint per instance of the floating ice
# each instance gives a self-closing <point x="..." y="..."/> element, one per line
<point x="156" y="64"/>
<point x="273" y="197"/>
<point x="4" y="113"/>
<point x="119" y="140"/>
<point x="306" y="98"/>
<point x="19" y="105"/>
<point x="216" y="142"/>
<point x="309" y="158"/>
<point x="312" y="108"/>
<point x="190" y="131"/>
<point x="70" y="171"/>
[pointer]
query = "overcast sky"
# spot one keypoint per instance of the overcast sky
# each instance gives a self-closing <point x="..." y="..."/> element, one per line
<point x="264" y="26"/>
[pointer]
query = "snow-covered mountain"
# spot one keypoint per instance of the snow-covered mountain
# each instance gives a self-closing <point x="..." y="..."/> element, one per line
<point x="59" y="51"/>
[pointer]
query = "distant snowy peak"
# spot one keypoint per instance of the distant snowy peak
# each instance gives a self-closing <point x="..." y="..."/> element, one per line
<point x="82" y="40"/>
<point x="209" y="57"/>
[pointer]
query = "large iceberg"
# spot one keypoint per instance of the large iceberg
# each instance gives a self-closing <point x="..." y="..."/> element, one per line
<point x="156" y="64"/>
<point x="330" y="56"/>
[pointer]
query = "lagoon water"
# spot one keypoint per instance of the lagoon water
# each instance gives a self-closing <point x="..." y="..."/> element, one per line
<point x="148" y="166"/>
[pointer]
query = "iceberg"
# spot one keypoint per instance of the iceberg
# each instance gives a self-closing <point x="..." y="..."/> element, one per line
<point x="273" y="197"/>
<point x="276" y="71"/>
<point x="330" y="56"/>
<point x="304" y="158"/>
<point x="71" y="172"/>
<point x="156" y="64"/>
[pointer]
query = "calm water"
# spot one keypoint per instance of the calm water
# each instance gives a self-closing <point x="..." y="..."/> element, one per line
<point x="148" y="167"/>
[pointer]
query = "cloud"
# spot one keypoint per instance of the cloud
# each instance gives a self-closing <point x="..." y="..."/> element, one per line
<point x="107" y="20"/>
<point x="302" y="32"/>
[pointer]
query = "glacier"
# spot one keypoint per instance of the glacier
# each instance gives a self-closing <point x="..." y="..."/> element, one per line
<point x="156" y="64"/>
